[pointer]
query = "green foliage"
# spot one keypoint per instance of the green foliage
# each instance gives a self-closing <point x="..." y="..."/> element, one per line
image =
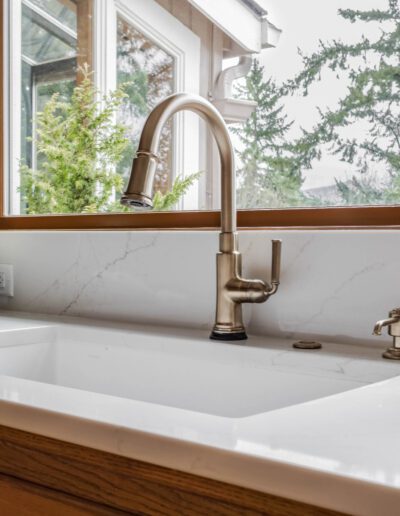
<point x="77" y="145"/>
<point x="167" y="201"/>
<point x="136" y="91"/>
<point x="373" y="98"/>
<point x="360" y="191"/>
<point x="270" y="174"/>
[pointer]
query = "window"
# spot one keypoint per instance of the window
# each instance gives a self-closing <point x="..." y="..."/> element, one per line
<point x="315" y="131"/>
<point x="326" y="130"/>
<point x="46" y="65"/>
<point x="64" y="73"/>
<point x="149" y="72"/>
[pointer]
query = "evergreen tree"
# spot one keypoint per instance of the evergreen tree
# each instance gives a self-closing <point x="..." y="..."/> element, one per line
<point x="269" y="172"/>
<point x="373" y="68"/>
<point x="77" y="146"/>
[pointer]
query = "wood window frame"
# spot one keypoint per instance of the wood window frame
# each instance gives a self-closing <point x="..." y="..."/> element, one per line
<point x="365" y="217"/>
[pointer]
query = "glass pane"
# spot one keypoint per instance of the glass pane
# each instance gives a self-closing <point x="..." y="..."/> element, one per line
<point x="63" y="11"/>
<point x="77" y="142"/>
<point x="41" y="39"/>
<point x="326" y="130"/>
<point x="48" y="69"/>
<point x="147" y="72"/>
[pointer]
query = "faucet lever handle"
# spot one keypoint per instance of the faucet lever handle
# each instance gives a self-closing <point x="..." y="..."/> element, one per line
<point x="276" y="262"/>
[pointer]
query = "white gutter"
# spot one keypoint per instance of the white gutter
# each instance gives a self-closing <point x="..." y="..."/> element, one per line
<point x="233" y="110"/>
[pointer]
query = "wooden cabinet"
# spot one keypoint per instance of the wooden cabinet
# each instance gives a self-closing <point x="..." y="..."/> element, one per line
<point x="20" y="498"/>
<point x="42" y="476"/>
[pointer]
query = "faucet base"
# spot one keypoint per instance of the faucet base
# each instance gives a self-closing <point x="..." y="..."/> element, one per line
<point x="392" y="353"/>
<point x="228" y="336"/>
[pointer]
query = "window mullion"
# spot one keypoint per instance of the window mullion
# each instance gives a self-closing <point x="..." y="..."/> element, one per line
<point x="12" y="93"/>
<point x="105" y="46"/>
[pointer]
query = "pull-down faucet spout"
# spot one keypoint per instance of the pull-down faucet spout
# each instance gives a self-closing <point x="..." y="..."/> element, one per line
<point x="140" y="187"/>
<point x="232" y="290"/>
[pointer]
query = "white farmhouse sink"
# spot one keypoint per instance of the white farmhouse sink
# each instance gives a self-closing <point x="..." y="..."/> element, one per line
<point x="186" y="371"/>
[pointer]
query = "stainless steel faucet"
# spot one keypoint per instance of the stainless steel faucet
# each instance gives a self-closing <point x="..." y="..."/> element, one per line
<point x="393" y="324"/>
<point x="232" y="289"/>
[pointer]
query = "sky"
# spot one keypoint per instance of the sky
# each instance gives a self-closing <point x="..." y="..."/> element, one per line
<point x="303" y="24"/>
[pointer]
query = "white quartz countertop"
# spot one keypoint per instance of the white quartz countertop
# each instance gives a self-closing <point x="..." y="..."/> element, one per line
<point x="341" y="452"/>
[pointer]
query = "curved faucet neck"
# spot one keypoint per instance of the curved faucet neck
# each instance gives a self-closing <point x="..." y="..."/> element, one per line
<point x="232" y="289"/>
<point x="150" y="139"/>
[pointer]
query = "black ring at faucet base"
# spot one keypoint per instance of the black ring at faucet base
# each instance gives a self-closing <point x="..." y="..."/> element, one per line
<point x="241" y="335"/>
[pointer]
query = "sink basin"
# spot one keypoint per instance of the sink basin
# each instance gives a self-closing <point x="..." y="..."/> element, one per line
<point x="185" y="370"/>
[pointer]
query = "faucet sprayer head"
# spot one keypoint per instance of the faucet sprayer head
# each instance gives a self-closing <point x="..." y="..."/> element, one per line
<point x="139" y="193"/>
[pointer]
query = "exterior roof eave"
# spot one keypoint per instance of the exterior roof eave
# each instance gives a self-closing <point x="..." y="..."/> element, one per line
<point x="246" y="23"/>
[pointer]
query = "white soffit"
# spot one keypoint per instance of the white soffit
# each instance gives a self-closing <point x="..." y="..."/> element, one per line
<point x="236" y="20"/>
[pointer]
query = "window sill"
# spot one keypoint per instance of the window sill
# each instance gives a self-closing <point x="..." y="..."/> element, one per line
<point x="377" y="217"/>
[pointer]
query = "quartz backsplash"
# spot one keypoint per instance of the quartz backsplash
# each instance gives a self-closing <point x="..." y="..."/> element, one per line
<point x="334" y="284"/>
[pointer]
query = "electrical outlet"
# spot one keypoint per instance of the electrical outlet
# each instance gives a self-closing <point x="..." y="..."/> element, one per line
<point x="6" y="280"/>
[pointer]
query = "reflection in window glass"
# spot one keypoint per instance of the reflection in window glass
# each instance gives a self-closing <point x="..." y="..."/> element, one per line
<point x="42" y="40"/>
<point x="148" y="73"/>
<point x="48" y="64"/>
<point x="62" y="11"/>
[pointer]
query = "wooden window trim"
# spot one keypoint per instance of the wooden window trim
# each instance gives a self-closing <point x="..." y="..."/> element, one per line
<point x="307" y="218"/>
<point x="371" y="217"/>
<point x="85" y="9"/>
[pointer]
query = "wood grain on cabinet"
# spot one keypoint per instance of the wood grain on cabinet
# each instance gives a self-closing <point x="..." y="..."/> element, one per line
<point x="128" y="485"/>
<point x="20" y="498"/>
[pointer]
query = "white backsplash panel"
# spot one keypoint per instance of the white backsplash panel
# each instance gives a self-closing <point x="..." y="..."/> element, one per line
<point x="334" y="284"/>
